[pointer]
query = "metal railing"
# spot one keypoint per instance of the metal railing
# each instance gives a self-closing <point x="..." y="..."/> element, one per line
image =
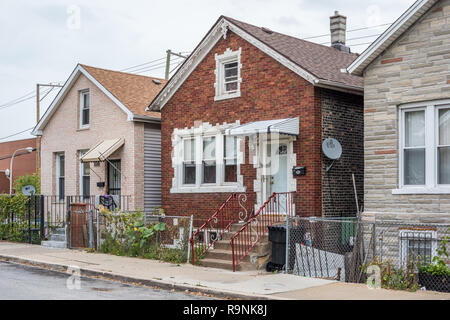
<point x="273" y="211"/>
<point x="231" y="211"/>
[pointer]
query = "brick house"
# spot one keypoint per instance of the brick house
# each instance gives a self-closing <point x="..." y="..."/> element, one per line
<point x="241" y="82"/>
<point x="407" y="122"/>
<point x="97" y="138"/>
<point x="24" y="162"/>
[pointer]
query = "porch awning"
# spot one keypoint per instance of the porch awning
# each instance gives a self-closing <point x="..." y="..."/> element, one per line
<point x="102" y="150"/>
<point x="290" y="126"/>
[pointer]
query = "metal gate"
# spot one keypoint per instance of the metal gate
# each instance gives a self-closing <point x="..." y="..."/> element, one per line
<point x="82" y="225"/>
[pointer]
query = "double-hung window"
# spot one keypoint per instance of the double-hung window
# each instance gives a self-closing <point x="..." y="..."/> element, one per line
<point x="228" y="75"/>
<point x="424" y="148"/>
<point x="85" y="104"/>
<point x="209" y="160"/>
<point x="443" y="149"/>
<point x="206" y="161"/>
<point x="60" y="159"/>
<point x="189" y="170"/>
<point x="230" y="158"/>
<point x="85" y="178"/>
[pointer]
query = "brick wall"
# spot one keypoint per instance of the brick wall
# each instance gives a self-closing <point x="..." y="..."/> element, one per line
<point x="415" y="68"/>
<point x="343" y="119"/>
<point x="23" y="163"/>
<point x="268" y="91"/>
<point x="107" y="121"/>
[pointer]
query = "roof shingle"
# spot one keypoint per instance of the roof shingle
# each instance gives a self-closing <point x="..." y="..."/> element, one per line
<point x="134" y="91"/>
<point x="321" y="61"/>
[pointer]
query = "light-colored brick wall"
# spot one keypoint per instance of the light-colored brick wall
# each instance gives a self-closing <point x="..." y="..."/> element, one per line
<point x="415" y="68"/>
<point x="107" y="121"/>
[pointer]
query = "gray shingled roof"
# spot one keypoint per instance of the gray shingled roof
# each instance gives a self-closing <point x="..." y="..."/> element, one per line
<point x="321" y="61"/>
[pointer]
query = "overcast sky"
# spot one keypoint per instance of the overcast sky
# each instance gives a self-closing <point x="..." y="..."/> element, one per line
<point x="42" y="41"/>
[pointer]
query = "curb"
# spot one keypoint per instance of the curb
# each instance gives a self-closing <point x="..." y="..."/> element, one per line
<point x="88" y="273"/>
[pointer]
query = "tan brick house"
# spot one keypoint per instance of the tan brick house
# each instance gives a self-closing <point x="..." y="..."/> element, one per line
<point x="97" y="138"/>
<point x="242" y="88"/>
<point x="407" y="120"/>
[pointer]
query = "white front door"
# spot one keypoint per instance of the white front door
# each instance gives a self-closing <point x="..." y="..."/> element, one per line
<point x="276" y="177"/>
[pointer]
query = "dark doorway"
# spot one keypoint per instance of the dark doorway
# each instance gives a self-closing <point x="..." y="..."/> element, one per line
<point x="114" y="178"/>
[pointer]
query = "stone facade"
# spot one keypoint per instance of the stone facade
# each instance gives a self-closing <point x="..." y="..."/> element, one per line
<point x="415" y="68"/>
<point x="268" y="91"/>
<point x="107" y="121"/>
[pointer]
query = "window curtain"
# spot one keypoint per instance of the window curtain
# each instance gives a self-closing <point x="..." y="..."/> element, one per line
<point x="444" y="146"/>
<point x="414" y="155"/>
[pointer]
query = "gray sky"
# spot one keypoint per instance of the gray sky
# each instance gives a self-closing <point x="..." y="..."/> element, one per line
<point x="42" y="41"/>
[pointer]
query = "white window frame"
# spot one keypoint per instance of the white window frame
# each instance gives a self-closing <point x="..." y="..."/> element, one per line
<point x="225" y="158"/>
<point x="58" y="156"/>
<point x="198" y="133"/>
<point x="416" y="234"/>
<point x="228" y="56"/>
<point x="81" y="172"/>
<point x="431" y="151"/>
<point x="82" y="94"/>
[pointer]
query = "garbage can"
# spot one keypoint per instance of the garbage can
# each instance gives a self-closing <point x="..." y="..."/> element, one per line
<point x="277" y="235"/>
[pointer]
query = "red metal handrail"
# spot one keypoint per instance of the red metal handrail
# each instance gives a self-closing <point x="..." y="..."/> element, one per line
<point x="269" y="214"/>
<point x="231" y="211"/>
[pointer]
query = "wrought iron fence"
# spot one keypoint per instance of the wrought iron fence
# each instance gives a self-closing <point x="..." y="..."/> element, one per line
<point x="343" y="248"/>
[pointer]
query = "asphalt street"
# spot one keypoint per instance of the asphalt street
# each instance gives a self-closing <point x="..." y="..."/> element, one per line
<point x="21" y="282"/>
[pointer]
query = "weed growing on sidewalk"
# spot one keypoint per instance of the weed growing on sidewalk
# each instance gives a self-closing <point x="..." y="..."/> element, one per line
<point x="127" y="234"/>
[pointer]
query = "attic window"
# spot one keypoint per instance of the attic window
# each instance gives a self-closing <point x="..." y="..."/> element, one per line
<point x="155" y="81"/>
<point x="266" y="30"/>
<point x="228" y="75"/>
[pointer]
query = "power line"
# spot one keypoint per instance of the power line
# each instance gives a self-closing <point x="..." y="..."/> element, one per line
<point x="12" y="101"/>
<point x="22" y="100"/>
<point x="353" y="30"/>
<point x="358" y="38"/>
<point x="15" y="134"/>
<point x="160" y="66"/>
<point x="143" y="64"/>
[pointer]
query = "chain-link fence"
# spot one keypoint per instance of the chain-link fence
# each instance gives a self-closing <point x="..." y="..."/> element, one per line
<point x="408" y="255"/>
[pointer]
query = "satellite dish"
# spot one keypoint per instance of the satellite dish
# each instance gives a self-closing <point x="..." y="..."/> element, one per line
<point x="29" y="190"/>
<point x="332" y="149"/>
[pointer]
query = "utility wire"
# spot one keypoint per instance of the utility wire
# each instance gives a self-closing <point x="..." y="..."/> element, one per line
<point x="358" y="38"/>
<point x="353" y="30"/>
<point x="15" y="134"/>
<point x="22" y="100"/>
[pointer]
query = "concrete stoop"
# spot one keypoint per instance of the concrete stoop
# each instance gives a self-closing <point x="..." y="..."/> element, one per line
<point x="221" y="256"/>
<point x="57" y="239"/>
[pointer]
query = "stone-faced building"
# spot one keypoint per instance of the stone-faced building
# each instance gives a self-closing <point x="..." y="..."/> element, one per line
<point x="250" y="104"/>
<point x="97" y="138"/>
<point x="407" y="119"/>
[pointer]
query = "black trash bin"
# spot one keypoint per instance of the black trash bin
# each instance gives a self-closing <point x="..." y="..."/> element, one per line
<point x="277" y="235"/>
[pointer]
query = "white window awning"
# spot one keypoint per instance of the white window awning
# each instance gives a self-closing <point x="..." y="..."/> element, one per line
<point x="102" y="150"/>
<point x="290" y="126"/>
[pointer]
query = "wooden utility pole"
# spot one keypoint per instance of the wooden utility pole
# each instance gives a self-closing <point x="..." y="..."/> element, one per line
<point x="169" y="54"/>
<point x="38" y="118"/>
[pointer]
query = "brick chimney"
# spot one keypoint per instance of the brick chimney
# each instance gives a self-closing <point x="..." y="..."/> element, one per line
<point x="338" y="28"/>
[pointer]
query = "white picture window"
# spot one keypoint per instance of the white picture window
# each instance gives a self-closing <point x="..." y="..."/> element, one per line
<point x="424" y="148"/>
<point x="205" y="160"/>
<point x="85" y="104"/>
<point x="228" y="75"/>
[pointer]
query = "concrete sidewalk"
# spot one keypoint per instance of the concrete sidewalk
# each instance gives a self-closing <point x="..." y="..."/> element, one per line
<point x="221" y="283"/>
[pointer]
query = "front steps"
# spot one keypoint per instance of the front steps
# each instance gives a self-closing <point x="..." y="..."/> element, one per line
<point x="220" y="256"/>
<point x="57" y="239"/>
